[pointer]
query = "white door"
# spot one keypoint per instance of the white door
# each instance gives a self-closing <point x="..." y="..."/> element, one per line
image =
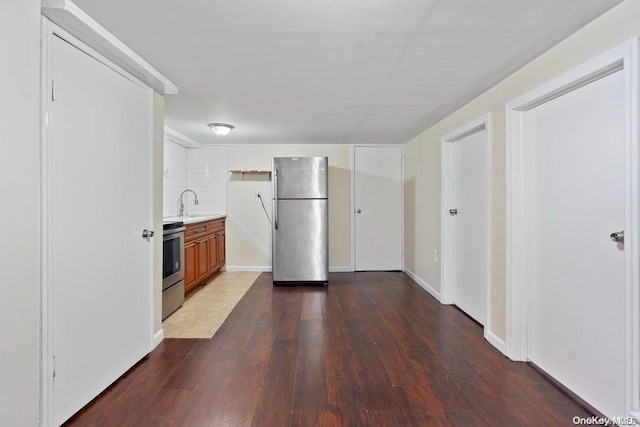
<point x="470" y="224"/>
<point x="98" y="189"/>
<point x="577" y="291"/>
<point x="378" y="208"/>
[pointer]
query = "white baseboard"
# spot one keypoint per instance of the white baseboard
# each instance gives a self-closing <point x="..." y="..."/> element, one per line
<point x="422" y="283"/>
<point x="236" y="268"/>
<point x="495" y="341"/>
<point x="488" y="335"/>
<point x="267" y="268"/>
<point x="158" y="337"/>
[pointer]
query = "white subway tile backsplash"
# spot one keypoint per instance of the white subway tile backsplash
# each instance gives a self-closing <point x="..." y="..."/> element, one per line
<point x="175" y="176"/>
<point x="204" y="170"/>
<point x="207" y="176"/>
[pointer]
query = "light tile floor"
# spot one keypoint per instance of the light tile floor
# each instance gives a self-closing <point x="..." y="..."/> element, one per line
<point x="205" y="309"/>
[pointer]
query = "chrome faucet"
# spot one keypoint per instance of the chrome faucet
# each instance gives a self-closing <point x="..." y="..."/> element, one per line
<point x="182" y="203"/>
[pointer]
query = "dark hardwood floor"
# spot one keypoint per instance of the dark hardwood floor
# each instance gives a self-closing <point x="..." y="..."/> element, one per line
<point x="369" y="349"/>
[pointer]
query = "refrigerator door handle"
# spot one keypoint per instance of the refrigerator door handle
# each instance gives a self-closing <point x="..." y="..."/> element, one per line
<point x="275" y="193"/>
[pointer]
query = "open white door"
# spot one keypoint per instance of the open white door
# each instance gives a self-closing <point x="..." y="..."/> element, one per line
<point x="378" y="208"/>
<point x="97" y="202"/>
<point x="469" y="215"/>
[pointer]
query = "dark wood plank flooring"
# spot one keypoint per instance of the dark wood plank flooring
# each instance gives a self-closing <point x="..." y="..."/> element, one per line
<point x="369" y="349"/>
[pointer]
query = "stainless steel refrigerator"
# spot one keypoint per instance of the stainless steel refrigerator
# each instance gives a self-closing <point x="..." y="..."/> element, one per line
<point x="300" y="228"/>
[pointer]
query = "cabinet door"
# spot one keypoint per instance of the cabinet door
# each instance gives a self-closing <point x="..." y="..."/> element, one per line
<point x="203" y="258"/>
<point x="213" y="253"/>
<point x="190" y="265"/>
<point x="220" y="252"/>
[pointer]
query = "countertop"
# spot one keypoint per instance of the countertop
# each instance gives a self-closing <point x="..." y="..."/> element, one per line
<point x="192" y="219"/>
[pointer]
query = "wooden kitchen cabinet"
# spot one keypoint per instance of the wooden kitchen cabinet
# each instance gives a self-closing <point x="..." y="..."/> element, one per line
<point x="204" y="252"/>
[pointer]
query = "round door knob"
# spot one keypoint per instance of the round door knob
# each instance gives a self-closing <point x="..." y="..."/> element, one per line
<point x="617" y="237"/>
<point x="146" y="233"/>
<point x="359" y="211"/>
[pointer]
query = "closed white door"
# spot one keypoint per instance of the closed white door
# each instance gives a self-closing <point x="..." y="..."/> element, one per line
<point x="576" y="193"/>
<point x="378" y="208"/>
<point x="98" y="188"/>
<point x="470" y="224"/>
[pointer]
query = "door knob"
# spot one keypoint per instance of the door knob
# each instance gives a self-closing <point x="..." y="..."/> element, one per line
<point x="146" y="233"/>
<point x="453" y="211"/>
<point x="359" y="211"/>
<point x="618" y="237"/>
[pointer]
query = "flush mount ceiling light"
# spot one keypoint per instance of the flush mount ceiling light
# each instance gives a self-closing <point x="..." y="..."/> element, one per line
<point x="221" y="129"/>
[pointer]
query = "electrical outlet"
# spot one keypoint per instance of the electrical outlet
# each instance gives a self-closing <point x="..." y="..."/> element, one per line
<point x="435" y="256"/>
<point x="257" y="194"/>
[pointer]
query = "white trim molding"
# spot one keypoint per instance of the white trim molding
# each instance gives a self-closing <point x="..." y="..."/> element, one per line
<point x="341" y="269"/>
<point x="447" y="201"/>
<point x="158" y="337"/>
<point x="352" y="205"/>
<point x="422" y="284"/>
<point x="623" y="58"/>
<point x="180" y="138"/>
<point x="46" y="291"/>
<point x="267" y="268"/>
<point x="74" y="20"/>
<point x="495" y="341"/>
<point x="237" y="268"/>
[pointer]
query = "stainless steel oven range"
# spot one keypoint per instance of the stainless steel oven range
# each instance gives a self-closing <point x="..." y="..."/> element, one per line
<point x="172" y="267"/>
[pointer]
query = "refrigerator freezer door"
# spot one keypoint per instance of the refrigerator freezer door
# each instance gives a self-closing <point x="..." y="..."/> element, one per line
<point x="300" y="244"/>
<point x="300" y="177"/>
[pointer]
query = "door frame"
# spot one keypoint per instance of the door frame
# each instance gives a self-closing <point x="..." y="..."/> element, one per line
<point x="47" y="362"/>
<point x="447" y="195"/>
<point x="623" y="58"/>
<point x="353" y="198"/>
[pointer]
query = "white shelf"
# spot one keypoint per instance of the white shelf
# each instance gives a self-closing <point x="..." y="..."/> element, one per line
<point x="244" y="172"/>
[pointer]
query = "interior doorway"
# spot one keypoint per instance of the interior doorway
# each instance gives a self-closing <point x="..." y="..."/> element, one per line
<point x="96" y="207"/>
<point x="465" y="218"/>
<point x="377" y="201"/>
<point x="572" y="189"/>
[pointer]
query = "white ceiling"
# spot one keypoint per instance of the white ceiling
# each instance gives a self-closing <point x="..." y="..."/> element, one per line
<point x="333" y="71"/>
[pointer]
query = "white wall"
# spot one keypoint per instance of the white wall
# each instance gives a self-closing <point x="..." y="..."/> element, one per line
<point x="204" y="170"/>
<point x="19" y="192"/>
<point x="248" y="230"/>
<point x="422" y="154"/>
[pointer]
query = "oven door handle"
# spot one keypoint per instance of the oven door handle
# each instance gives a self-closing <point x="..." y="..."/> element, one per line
<point x="173" y="231"/>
